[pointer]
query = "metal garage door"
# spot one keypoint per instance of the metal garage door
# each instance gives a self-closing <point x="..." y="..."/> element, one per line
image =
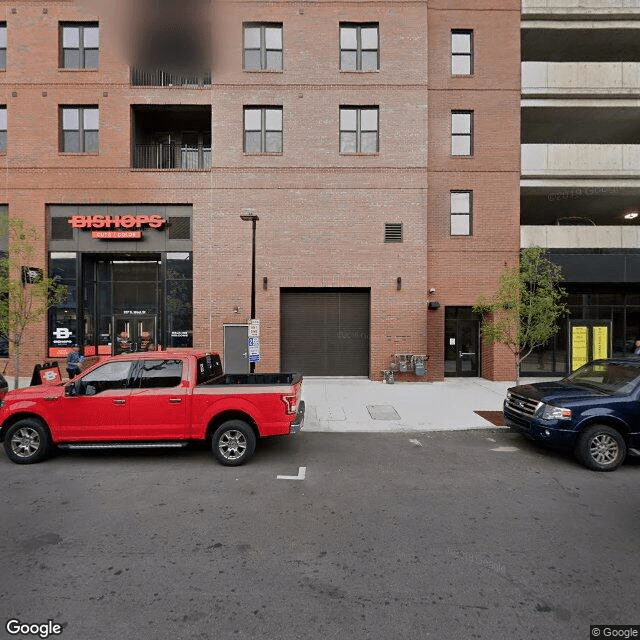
<point x="325" y="332"/>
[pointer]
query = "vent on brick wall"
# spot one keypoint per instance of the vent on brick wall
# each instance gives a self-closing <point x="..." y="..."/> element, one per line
<point x="179" y="228"/>
<point x="61" y="229"/>
<point x="393" y="232"/>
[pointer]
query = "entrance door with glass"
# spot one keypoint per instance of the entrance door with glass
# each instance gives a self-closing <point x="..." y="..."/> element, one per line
<point x="134" y="333"/>
<point x="462" y="342"/>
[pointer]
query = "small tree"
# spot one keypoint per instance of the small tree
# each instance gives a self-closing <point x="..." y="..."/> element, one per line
<point x="523" y="314"/>
<point x="25" y="295"/>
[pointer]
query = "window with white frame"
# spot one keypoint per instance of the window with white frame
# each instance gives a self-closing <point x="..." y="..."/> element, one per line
<point x="462" y="133"/>
<point x="79" y="129"/>
<point x="461" y="52"/>
<point x="262" y="46"/>
<point x="79" y="43"/>
<point x="461" y="209"/>
<point x="359" y="130"/>
<point x="3" y="128"/>
<point x="3" y="45"/>
<point x="359" y="47"/>
<point x="263" y="129"/>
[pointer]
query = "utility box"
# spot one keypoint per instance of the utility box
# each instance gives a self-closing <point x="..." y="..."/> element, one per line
<point x="403" y="361"/>
<point x="419" y="365"/>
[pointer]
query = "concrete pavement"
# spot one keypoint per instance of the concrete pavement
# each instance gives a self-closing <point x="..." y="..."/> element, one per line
<point x="360" y="405"/>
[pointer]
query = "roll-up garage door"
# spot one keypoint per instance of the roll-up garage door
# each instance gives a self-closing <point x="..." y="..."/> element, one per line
<point x="325" y="332"/>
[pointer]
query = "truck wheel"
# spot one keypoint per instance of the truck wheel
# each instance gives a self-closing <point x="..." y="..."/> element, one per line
<point x="601" y="448"/>
<point x="233" y="442"/>
<point x="27" y="441"/>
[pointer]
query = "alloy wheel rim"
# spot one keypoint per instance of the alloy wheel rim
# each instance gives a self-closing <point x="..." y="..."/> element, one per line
<point x="604" y="448"/>
<point x="25" y="442"/>
<point x="232" y="444"/>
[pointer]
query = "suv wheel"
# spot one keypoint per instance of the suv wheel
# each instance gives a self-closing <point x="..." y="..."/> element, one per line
<point x="601" y="448"/>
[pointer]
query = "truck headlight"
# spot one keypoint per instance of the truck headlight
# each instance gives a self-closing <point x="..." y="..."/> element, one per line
<point x="549" y="412"/>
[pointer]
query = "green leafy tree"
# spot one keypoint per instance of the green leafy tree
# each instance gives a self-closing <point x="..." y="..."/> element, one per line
<point x="524" y="312"/>
<point x="25" y="297"/>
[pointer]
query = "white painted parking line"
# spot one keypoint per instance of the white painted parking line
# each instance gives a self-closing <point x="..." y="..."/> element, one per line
<point x="505" y="449"/>
<point x="302" y="472"/>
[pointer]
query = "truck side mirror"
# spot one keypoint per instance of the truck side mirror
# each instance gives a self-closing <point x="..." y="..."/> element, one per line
<point x="71" y="389"/>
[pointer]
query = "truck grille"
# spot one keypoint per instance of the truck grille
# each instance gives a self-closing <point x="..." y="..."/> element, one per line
<point x="521" y="404"/>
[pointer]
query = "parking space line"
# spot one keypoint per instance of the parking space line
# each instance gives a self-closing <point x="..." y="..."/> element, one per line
<point x="302" y="472"/>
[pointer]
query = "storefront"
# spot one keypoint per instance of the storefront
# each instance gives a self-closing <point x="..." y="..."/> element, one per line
<point x="616" y="304"/>
<point x="129" y="277"/>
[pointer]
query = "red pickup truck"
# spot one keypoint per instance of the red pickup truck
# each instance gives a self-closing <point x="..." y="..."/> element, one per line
<point x="152" y="399"/>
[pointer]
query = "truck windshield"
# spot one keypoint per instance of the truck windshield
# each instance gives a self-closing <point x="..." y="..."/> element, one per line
<point x="606" y="377"/>
<point x="209" y="367"/>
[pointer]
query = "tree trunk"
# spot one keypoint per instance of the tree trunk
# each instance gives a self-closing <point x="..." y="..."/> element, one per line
<point x="16" y="361"/>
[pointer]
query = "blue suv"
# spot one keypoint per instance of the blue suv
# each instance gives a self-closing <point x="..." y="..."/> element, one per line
<point x="595" y="412"/>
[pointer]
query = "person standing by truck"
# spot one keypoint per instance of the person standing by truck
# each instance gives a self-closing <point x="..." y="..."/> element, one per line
<point x="73" y="362"/>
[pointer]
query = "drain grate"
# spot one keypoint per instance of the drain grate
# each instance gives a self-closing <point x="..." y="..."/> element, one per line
<point x="382" y="412"/>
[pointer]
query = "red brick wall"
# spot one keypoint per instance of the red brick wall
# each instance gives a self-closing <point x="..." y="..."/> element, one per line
<point x="321" y="214"/>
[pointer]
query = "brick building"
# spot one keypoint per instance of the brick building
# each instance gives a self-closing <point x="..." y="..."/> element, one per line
<point x="378" y="144"/>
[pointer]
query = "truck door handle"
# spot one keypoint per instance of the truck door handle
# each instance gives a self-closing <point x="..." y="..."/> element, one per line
<point x="119" y="402"/>
<point x="175" y="400"/>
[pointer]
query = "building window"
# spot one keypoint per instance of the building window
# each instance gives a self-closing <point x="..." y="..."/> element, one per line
<point x="3" y="129"/>
<point x="79" y="45"/>
<point x="461" y="52"/>
<point x="263" y="129"/>
<point x="462" y="133"/>
<point x="80" y="127"/>
<point x="3" y="45"/>
<point x="359" y="47"/>
<point x="461" y="208"/>
<point x="262" y="47"/>
<point x="359" y="129"/>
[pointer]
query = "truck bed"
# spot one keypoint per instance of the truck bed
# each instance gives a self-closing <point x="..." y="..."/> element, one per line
<point x="255" y="379"/>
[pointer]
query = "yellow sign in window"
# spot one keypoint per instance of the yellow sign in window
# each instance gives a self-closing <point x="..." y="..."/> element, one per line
<point x="579" y="336"/>
<point x="600" y="342"/>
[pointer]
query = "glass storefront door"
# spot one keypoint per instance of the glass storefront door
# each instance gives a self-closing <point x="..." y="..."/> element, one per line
<point x="137" y="333"/>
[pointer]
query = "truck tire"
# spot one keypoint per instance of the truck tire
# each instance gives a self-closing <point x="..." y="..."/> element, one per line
<point x="27" y="441"/>
<point x="601" y="448"/>
<point x="233" y="443"/>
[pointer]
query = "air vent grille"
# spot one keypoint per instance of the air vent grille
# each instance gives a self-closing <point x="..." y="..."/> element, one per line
<point x="393" y="232"/>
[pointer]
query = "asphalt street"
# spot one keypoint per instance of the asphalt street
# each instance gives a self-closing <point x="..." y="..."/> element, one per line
<point x="443" y="535"/>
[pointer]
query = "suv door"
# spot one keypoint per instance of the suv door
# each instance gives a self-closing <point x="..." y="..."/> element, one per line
<point x="159" y="400"/>
<point x="98" y="410"/>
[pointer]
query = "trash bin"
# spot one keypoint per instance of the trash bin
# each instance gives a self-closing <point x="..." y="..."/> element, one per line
<point x="47" y="373"/>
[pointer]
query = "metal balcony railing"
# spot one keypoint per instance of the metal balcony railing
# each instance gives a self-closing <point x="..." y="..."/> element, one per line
<point x="166" y="78"/>
<point x="171" y="156"/>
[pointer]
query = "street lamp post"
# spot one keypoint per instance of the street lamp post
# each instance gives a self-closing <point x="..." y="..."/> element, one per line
<point x="253" y="218"/>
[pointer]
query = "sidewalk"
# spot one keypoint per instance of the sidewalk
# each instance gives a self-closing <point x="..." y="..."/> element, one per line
<point x="360" y="405"/>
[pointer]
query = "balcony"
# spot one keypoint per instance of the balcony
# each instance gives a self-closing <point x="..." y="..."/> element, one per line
<point x="171" y="156"/>
<point x="164" y="78"/>
<point x="580" y="160"/>
<point x="602" y="79"/>
<point x="174" y="137"/>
